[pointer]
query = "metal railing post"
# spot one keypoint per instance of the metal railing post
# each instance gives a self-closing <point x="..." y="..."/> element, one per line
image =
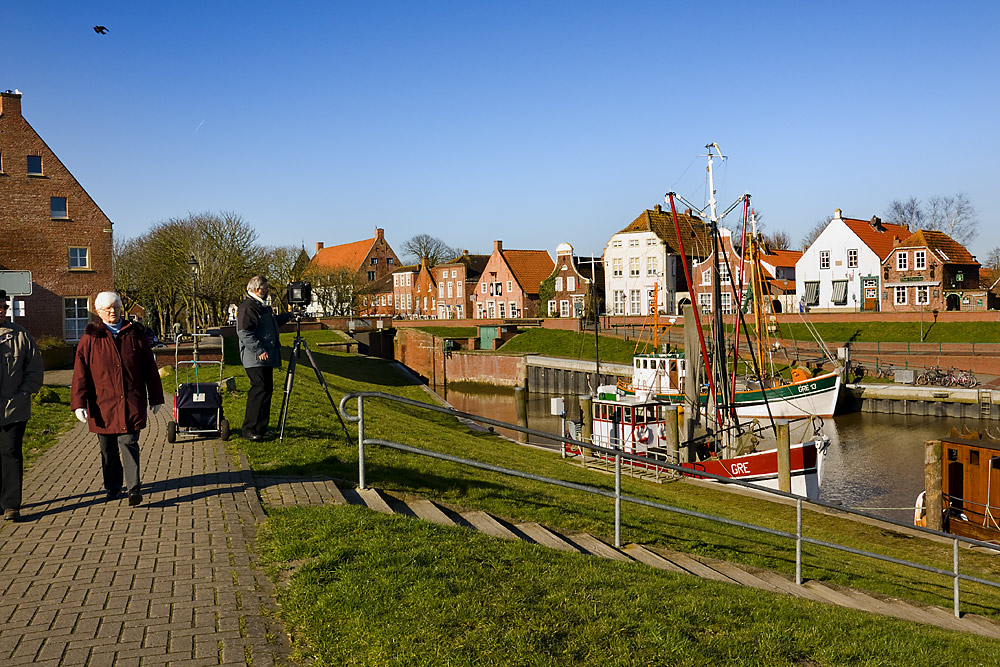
<point x="618" y="500"/>
<point x="798" y="541"/>
<point x="957" y="614"/>
<point x="361" y="442"/>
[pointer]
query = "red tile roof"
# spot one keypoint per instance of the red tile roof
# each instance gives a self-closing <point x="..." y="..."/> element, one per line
<point x="781" y="257"/>
<point x="946" y="248"/>
<point x="350" y="255"/>
<point x="694" y="232"/>
<point x="530" y="267"/>
<point x="880" y="240"/>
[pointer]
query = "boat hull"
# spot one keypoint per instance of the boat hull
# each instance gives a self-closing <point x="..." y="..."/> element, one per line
<point x="813" y="397"/>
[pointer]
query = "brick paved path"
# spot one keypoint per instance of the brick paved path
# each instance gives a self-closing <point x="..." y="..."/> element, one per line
<point x="89" y="582"/>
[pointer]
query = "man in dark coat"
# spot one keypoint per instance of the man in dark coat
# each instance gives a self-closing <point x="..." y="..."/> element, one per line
<point x="260" y="353"/>
<point x="114" y="376"/>
<point x="21" y="374"/>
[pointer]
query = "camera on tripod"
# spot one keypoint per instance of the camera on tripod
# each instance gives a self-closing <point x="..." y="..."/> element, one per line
<point x="298" y="295"/>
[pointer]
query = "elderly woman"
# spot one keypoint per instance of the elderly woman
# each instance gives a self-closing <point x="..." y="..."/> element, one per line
<point x="115" y="373"/>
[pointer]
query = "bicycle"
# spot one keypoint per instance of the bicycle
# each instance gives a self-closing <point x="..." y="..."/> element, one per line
<point x="886" y="371"/>
<point x="967" y="379"/>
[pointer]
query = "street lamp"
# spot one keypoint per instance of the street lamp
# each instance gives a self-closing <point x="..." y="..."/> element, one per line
<point x="193" y="266"/>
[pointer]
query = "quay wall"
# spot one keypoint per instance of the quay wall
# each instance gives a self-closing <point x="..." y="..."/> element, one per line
<point x="924" y="401"/>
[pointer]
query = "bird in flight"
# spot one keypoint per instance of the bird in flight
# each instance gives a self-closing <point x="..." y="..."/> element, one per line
<point x="100" y="30"/>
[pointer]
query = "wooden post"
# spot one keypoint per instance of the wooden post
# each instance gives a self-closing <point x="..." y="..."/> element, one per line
<point x="587" y="412"/>
<point x="673" y="435"/>
<point x="521" y="403"/>
<point x="784" y="457"/>
<point x="933" y="474"/>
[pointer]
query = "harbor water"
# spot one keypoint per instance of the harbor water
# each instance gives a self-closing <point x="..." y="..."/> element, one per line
<point x="874" y="462"/>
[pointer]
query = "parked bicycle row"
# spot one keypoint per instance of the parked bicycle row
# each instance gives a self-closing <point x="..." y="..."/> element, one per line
<point x="933" y="375"/>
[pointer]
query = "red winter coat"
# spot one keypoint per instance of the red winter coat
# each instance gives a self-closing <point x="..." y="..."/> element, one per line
<point x="112" y="378"/>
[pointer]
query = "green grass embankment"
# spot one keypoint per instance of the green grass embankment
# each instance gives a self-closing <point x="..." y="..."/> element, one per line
<point x="48" y="421"/>
<point x="366" y="590"/>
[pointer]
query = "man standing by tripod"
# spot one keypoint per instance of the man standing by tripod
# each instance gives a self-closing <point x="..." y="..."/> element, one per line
<point x="260" y="353"/>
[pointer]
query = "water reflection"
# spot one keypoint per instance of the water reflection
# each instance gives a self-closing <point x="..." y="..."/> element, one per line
<point x="874" y="462"/>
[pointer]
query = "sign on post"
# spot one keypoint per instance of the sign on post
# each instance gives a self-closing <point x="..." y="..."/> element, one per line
<point x="16" y="283"/>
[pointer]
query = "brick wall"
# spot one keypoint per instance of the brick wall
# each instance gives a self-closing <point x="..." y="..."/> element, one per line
<point x="424" y="354"/>
<point x="30" y="239"/>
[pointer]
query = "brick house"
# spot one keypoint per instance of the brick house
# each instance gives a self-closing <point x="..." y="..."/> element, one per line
<point x="370" y="260"/>
<point x="456" y="283"/>
<point x="930" y="270"/>
<point x="645" y="257"/>
<point x="703" y="277"/>
<point x="50" y="226"/>
<point x="509" y="283"/>
<point x="379" y="298"/>
<point x="573" y="282"/>
<point x="414" y="291"/>
<point x="779" y="273"/>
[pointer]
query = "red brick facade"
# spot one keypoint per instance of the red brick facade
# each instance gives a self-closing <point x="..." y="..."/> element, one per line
<point x="456" y="282"/>
<point x="509" y="284"/>
<point x="48" y="222"/>
<point x="931" y="271"/>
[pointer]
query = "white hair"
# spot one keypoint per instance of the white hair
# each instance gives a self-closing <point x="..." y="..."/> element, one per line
<point x="256" y="283"/>
<point x="105" y="299"/>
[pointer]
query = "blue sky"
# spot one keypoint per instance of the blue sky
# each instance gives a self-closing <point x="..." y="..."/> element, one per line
<point x="532" y="122"/>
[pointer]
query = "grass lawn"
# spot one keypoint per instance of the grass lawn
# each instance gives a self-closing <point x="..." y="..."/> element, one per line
<point x="450" y="332"/>
<point x="48" y="422"/>
<point x="368" y="589"/>
<point x="432" y="561"/>
<point x="569" y="344"/>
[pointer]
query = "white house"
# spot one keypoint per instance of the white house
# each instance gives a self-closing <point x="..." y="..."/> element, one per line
<point x="840" y="270"/>
<point x="644" y="257"/>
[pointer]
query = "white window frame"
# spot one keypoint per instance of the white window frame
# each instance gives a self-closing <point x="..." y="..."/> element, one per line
<point x="635" y="302"/>
<point x="852" y="258"/>
<point x="919" y="260"/>
<point x="633" y="267"/>
<point x="824" y="259"/>
<point x="559" y="283"/>
<point x="651" y="266"/>
<point x="619" y="303"/>
<point x="902" y="261"/>
<point x="73" y="326"/>
<point x="706" y="277"/>
<point x="726" y="302"/>
<point x="899" y="295"/>
<point x="501" y="309"/>
<point x="553" y="306"/>
<point x="616" y="267"/>
<point x="86" y="258"/>
<point x="570" y="283"/>
<point x="705" y="301"/>
<point x="458" y="289"/>
<point x="510" y="286"/>
<point x="564" y="308"/>
<point x="923" y="295"/>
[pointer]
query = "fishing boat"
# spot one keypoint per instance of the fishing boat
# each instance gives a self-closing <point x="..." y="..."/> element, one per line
<point x="723" y="413"/>
<point x="970" y="487"/>
<point x="637" y="425"/>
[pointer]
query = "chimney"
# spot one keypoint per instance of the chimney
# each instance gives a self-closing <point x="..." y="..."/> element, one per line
<point x="896" y="241"/>
<point x="837" y="214"/>
<point x="465" y="253"/>
<point x="10" y="103"/>
<point x="687" y="212"/>
<point x="876" y="223"/>
<point x="319" y="246"/>
<point x="379" y="233"/>
<point x="658" y="208"/>
<point x="498" y="246"/>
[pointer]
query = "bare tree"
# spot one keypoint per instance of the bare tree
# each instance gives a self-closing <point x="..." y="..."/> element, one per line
<point x="337" y="290"/>
<point x="814" y="232"/>
<point x="954" y="215"/>
<point x="992" y="264"/>
<point x="909" y="212"/>
<point x="779" y="240"/>
<point x="425" y="246"/>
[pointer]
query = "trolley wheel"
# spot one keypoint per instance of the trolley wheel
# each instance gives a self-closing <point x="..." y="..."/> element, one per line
<point x="224" y="429"/>
<point x="171" y="432"/>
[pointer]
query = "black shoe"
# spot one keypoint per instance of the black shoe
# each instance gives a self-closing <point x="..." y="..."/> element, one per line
<point x="114" y="494"/>
<point x="12" y="515"/>
<point x="253" y="437"/>
<point x="134" y="497"/>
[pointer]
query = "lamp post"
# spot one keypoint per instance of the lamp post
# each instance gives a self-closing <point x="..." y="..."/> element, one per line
<point x="193" y="265"/>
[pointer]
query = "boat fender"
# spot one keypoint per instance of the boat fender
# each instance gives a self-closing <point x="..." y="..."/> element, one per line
<point x="920" y="510"/>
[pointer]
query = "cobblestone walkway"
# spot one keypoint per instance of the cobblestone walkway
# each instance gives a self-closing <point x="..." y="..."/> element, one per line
<point x="88" y="582"/>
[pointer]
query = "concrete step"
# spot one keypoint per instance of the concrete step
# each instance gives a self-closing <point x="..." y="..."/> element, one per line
<point x="982" y="625"/>
<point x="740" y="575"/>
<point x="590" y="544"/>
<point x="791" y="588"/>
<point x="488" y="524"/>
<point x="545" y="537"/>
<point x="428" y="511"/>
<point x="375" y="501"/>
<point x="334" y="493"/>
<point x="644" y="555"/>
<point x="693" y="565"/>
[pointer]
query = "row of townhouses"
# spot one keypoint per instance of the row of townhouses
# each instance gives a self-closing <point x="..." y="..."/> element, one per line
<point x="51" y="227"/>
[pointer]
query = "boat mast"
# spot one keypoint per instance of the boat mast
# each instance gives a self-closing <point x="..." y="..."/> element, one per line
<point x="719" y="364"/>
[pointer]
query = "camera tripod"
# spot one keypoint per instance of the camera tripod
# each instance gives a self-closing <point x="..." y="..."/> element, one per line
<point x="300" y="344"/>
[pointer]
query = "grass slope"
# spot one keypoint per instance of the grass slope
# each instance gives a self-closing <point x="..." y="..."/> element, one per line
<point x="569" y="344"/>
<point x="315" y="444"/>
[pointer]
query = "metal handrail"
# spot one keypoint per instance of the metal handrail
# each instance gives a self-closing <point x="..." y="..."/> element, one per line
<point x="618" y="496"/>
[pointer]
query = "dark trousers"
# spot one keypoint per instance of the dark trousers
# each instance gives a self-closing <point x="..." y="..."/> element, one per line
<point x="258" y="400"/>
<point x="116" y="450"/>
<point x="11" y="465"/>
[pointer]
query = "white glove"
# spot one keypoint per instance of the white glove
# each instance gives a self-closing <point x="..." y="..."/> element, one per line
<point x="81" y="414"/>
<point x="156" y="408"/>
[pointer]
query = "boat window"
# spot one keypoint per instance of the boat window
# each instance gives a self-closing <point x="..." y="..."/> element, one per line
<point x="640" y="415"/>
<point x="627" y="415"/>
<point x="952" y="454"/>
<point x="995" y="462"/>
<point x="973" y="457"/>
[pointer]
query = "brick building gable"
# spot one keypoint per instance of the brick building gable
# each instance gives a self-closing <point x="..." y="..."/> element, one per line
<point x="50" y="226"/>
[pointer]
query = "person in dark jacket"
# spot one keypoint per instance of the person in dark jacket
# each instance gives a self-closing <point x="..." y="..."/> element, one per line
<point x="114" y="380"/>
<point x="260" y="352"/>
<point x="21" y="374"/>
